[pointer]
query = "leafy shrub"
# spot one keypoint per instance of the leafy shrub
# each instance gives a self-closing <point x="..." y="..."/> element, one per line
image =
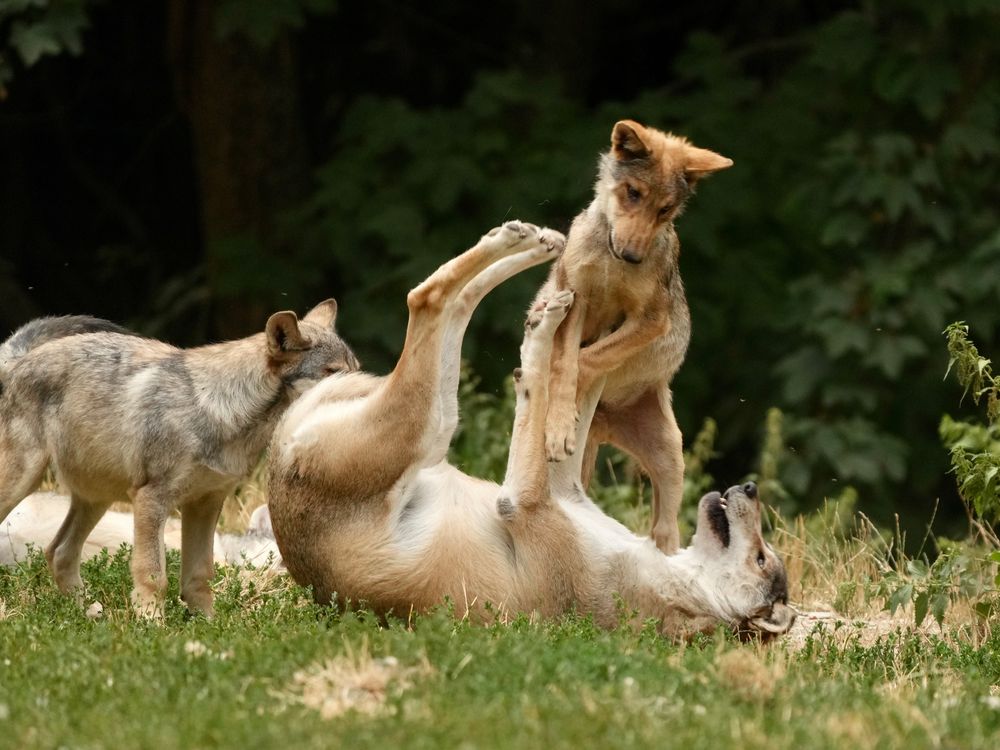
<point x="974" y="448"/>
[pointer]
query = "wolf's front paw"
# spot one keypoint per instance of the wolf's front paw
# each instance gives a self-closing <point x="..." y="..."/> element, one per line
<point x="548" y="314"/>
<point x="560" y="435"/>
<point x="147" y="607"/>
<point x="553" y="241"/>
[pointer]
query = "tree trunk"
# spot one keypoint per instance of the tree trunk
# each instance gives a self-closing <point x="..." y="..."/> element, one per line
<point x="242" y="104"/>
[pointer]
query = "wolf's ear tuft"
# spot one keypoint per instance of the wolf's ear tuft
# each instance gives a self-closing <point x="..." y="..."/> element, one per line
<point x="284" y="336"/>
<point x="700" y="162"/>
<point x="324" y="314"/>
<point x="626" y="141"/>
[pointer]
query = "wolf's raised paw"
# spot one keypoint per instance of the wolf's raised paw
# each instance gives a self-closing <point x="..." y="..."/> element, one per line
<point x="560" y="301"/>
<point x="560" y="436"/>
<point x="553" y="241"/>
<point x="552" y="310"/>
<point x="555" y="311"/>
<point x="513" y="231"/>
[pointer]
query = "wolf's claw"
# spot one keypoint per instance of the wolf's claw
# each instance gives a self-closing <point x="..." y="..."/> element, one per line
<point x="560" y="437"/>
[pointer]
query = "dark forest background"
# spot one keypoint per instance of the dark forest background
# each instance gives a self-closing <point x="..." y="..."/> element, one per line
<point x="189" y="167"/>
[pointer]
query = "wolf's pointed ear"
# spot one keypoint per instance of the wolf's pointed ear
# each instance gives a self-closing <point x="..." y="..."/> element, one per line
<point x="284" y="336"/>
<point x="700" y="162"/>
<point x="627" y="142"/>
<point x="324" y="314"/>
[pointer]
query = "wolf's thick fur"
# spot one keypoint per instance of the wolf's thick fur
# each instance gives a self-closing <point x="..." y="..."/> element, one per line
<point x="630" y="315"/>
<point x="365" y="507"/>
<point x="124" y="417"/>
<point x="37" y="332"/>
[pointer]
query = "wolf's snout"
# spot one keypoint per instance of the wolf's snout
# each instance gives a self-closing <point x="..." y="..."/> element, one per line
<point x="749" y="489"/>
<point x="631" y="256"/>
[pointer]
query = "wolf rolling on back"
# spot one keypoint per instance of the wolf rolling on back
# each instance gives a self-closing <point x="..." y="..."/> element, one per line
<point x="119" y="416"/>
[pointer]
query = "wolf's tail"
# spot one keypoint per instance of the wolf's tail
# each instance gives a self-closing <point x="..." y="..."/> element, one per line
<point x="43" y="330"/>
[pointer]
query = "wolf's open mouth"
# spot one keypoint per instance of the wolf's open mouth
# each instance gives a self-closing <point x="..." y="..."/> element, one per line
<point x="718" y="520"/>
<point x="611" y="246"/>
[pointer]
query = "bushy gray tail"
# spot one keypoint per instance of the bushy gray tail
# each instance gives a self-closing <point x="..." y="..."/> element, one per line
<point x="42" y="330"/>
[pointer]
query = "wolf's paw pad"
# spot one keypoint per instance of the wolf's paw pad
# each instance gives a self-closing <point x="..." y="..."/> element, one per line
<point x="554" y="242"/>
<point x="548" y="319"/>
<point x="559" y="302"/>
<point x="512" y="232"/>
<point x="533" y="318"/>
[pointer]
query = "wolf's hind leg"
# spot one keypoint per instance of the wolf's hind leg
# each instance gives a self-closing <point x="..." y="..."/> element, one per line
<point x="396" y="428"/>
<point x="550" y="245"/>
<point x="526" y="484"/>
<point x="21" y="471"/>
<point x="63" y="553"/>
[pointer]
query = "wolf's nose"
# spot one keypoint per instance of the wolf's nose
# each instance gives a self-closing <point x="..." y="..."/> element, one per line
<point x="631" y="256"/>
<point x="750" y="490"/>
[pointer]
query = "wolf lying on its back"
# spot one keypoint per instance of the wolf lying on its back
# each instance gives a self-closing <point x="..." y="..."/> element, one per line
<point x="121" y="416"/>
<point x="365" y="506"/>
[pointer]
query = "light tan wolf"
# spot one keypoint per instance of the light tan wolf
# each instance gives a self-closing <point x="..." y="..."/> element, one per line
<point x="119" y="416"/>
<point x="365" y="507"/>
<point x="36" y="521"/>
<point x="630" y="315"/>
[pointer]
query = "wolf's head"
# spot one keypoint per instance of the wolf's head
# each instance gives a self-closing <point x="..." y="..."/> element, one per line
<point x="303" y="352"/>
<point x="644" y="182"/>
<point x="747" y="578"/>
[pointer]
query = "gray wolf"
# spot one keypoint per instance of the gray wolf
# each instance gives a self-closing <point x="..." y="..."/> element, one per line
<point x="365" y="507"/>
<point x="629" y="328"/>
<point x="120" y="416"/>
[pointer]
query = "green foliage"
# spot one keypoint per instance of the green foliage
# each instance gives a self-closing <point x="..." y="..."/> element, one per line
<point x="974" y="372"/>
<point x="974" y="448"/>
<point x="40" y="28"/>
<point x="408" y="188"/>
<point x="932" y="588"/>
<point x="857" y="221"/>
<point x="481" y="442"/>
<point x="262" y="21"/>
<point x="884" y="274"/>
<point x="854" y="223"/>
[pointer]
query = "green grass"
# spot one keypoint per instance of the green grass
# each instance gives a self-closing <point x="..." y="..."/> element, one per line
<point x="253" y="677"/>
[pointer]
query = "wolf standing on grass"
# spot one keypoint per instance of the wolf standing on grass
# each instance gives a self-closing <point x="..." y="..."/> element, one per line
<point x="119" y="416"/>
<point x="627" y="333"/>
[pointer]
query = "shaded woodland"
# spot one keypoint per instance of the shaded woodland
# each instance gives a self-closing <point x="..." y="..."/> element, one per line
<point x="188" y="167"/>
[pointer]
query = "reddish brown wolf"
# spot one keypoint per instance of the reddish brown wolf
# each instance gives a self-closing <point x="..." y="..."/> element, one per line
<point x="628" y="330"/>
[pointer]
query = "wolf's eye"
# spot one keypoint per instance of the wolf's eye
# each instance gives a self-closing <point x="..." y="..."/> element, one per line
<point x="761" y="560"/>
<point x="331" y="370"/>
<point x="665" y="211"/>
<point x="633" y="194"/>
